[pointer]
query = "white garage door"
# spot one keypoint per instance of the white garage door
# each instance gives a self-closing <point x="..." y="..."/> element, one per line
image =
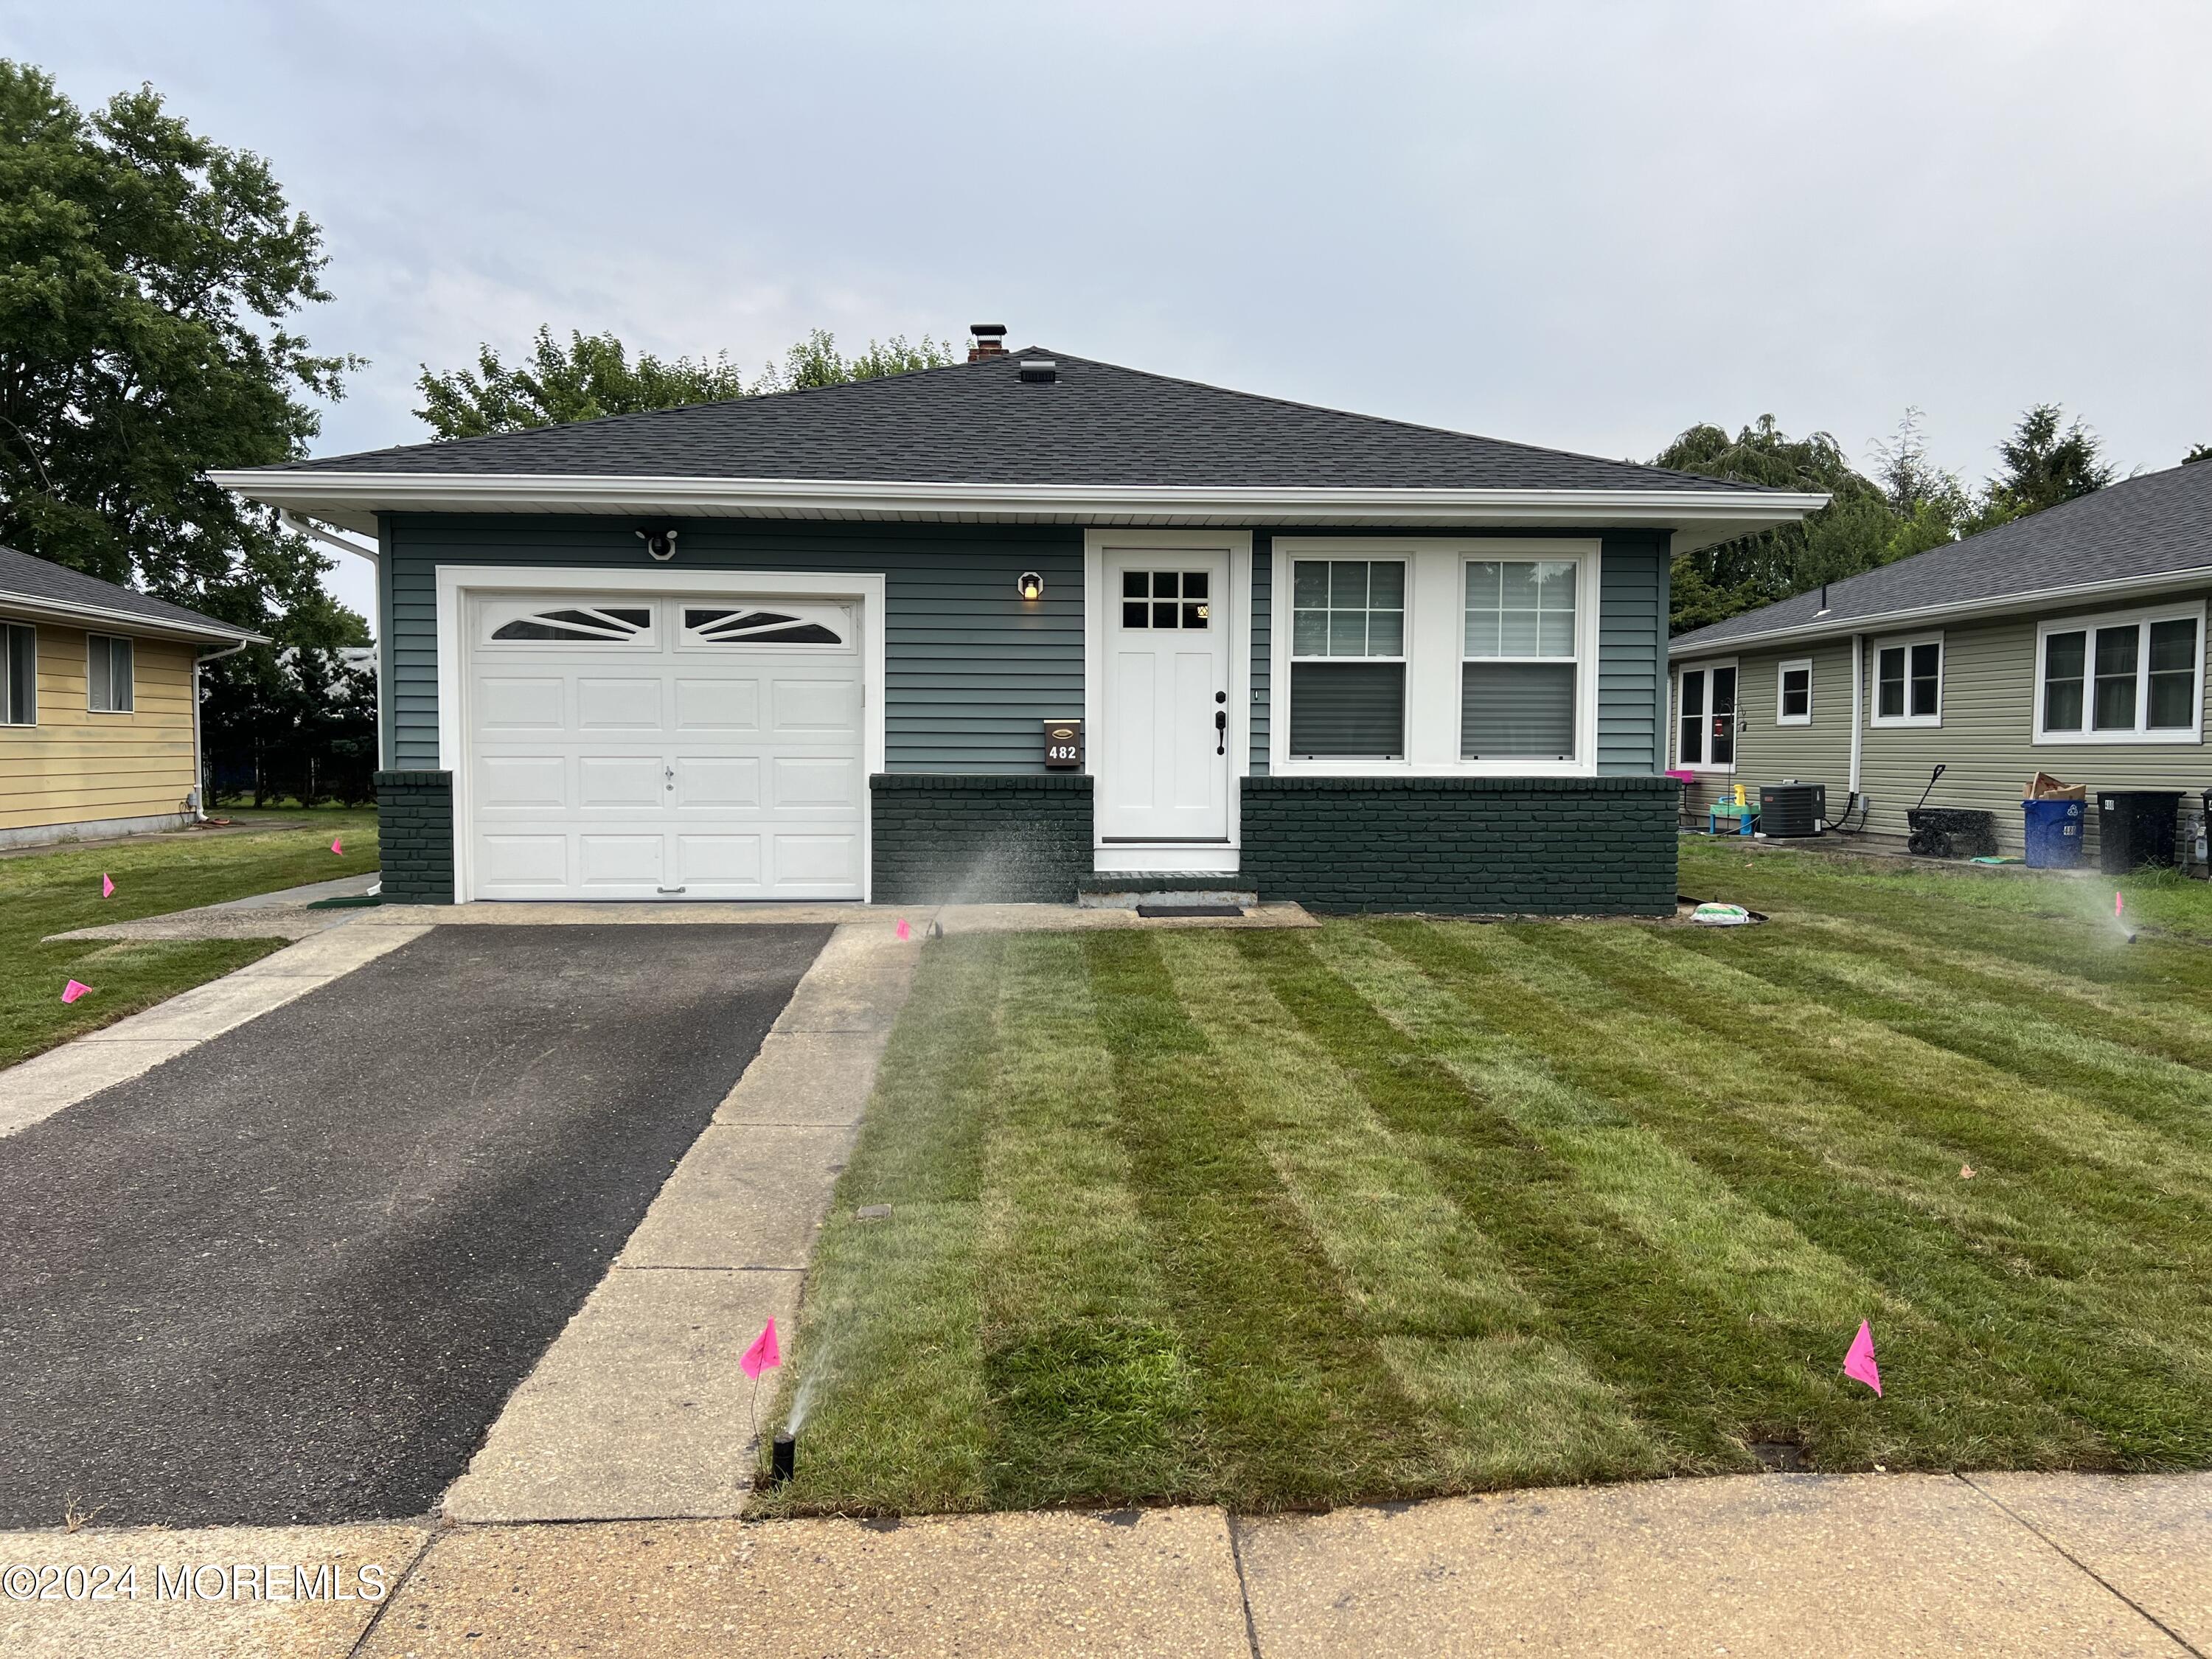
<point x="643" y="748"/>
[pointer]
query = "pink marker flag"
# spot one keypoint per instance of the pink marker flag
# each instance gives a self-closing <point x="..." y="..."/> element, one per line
<point x="72" y="991"/>
<point x="903" y="930"/>
<point x="762" y="1354"/>
<point x="1859" y="1362"/>
<point x="2116" y="906"/>
<point x="106" y="885"/>
<point x="335" y="847"/>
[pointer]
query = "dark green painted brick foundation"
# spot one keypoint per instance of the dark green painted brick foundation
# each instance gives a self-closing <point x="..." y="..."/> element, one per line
<point x="1602" y="846"/>
<point x="415" y="837"/>
<point x="978" y="839"/>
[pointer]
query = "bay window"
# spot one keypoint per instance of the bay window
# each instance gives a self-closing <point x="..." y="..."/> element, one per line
<point x="2129" y="677"/>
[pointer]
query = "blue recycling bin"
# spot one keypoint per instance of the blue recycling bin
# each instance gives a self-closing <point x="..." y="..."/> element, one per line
<point x="2054" y="834"/>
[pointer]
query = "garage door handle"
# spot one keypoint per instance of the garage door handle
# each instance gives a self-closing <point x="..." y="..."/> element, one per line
<point x="668" y="889"/>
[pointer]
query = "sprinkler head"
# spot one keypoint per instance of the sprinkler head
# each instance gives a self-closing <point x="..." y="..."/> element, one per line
<point x="783" y="1458"/>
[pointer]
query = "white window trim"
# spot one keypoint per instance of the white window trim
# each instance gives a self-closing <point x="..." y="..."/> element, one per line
<point x="1436" y="643"/>
<point x="1905" y="643"/>
<point x="1781" y="672"/>
<point x="458" y="583"/>
<point x="1705" y="667"/>
<point x="89" y="706"/>
<point x="32" y="629"/>
<point x="2194" y="733"/>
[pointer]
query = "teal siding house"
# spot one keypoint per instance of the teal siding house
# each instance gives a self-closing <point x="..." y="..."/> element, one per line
<point x="1024" y="626"/>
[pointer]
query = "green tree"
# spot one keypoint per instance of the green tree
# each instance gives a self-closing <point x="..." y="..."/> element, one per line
<point x="2197" y="452"/>
<point x="594" y="374"/>
<point x="2043" y="465"/>
<point x="1851" y="534"/>
<point x="1929" y="503"/>
<point x="147" y="281"/>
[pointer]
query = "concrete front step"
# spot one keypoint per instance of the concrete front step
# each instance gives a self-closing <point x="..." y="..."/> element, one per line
<point x="1124" y="891"/>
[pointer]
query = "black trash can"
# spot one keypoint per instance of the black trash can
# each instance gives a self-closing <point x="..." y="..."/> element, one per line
<point x="2135" y="828"/>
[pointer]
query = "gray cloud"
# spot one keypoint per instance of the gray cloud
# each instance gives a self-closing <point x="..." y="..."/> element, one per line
<point x="1586" y="225"/>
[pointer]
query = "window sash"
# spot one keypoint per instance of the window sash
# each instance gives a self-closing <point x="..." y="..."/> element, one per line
<point x="1348" y="609"/>
<point x="1908" y="684"/>
<point x="108" y="678"/>
<point x="19" y="675"/>
<point x="1690" y="701"/>
<point x="1347" y="710"/>
<point x="1793" y="694"/>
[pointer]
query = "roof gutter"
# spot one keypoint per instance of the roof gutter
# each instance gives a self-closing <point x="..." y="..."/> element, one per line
<point x="1889" y="621"/>
<point x="130" y="620"/>
<point x="352" y="499"/>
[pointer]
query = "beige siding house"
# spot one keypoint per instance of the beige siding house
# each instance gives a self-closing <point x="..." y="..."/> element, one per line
<point x="2073" y="643"/>
<point x="99" y="704"/>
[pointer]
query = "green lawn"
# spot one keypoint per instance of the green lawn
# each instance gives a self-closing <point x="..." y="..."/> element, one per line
<point x="52" y="892"/>
<point x="1395" y="1208"/>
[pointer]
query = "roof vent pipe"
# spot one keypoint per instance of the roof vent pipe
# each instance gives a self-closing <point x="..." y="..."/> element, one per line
<point x="989" y="340"/>
<point x="1823" y="611"/>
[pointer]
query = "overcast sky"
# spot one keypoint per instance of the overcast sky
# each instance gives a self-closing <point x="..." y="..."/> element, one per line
<point x="1584" y="225"/>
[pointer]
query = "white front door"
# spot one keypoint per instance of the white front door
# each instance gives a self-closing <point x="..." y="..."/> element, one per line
<point x="1168" y="739"/>
<point x="635" y="746"/>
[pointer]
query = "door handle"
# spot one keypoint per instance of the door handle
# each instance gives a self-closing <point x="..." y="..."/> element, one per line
<point x="1220" y="731"/>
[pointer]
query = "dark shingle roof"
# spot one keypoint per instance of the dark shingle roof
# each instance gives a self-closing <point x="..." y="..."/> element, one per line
<point x="2156" y="524"/>
<point x="1098" y="424"/>
<point x="41" y="581"/>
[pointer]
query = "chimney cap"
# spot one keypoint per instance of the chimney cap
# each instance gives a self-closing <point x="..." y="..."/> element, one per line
<point x="987" y="331"/>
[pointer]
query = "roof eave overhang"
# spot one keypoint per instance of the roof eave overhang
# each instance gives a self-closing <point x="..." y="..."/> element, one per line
<point x="353" y="500"/>
<point x="1890" y="621"/>
<point x="40" y="609"/>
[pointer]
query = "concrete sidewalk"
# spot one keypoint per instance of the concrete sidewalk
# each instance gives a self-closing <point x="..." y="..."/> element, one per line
<point x="1756" y="1565"/>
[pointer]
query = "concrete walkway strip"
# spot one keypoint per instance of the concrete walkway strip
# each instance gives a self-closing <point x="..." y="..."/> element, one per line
<point x="1745" y="1564"/>
<point x="1050" y="1585"/>
<point x="236" y="1592"/>
<point x="47" y="1083"/>
<point x="638" y="1408"/>
<point x="2146" y="1536"/>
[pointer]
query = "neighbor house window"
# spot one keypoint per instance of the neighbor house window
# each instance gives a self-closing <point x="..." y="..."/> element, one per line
<point x="19" y="675"/>
<point x="108" y="681"/>
<point x="1793" y="696"/>
<point x="2134" y="676"/>
<point x="1520" y="660"/>
<point x="1705" y="702"/>
<point x="1908" y="682"/>
<point x="1347" y="658"/>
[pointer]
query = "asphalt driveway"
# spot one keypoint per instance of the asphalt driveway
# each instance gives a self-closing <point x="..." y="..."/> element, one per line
<point x="292" y="1274"/>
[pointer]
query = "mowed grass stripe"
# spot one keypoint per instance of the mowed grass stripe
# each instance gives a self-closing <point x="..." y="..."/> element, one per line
<point x="1711" y="1236"/>
<point x="1701" y="1374"/>
<point x="2012" y="1035"/>
<point x="889" y="1340"/>
<point x="2132" y="1177"/>
<point x="2140" y="1010"/>
<point x="2030" y="1370"/>
<point x="1510" y="1403"/>
<point x="1295" y="1403"/>
<point x="1093" y="1395"/>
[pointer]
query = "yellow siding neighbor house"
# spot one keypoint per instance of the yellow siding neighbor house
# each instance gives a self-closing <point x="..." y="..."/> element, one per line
<point x="99" y="734"/>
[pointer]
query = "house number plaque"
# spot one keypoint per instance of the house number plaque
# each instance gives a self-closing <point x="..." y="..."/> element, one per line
<point x="1063" y="745"/>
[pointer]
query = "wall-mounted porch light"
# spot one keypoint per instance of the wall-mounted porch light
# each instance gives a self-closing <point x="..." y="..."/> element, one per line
<point x="1030" y="585"/>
